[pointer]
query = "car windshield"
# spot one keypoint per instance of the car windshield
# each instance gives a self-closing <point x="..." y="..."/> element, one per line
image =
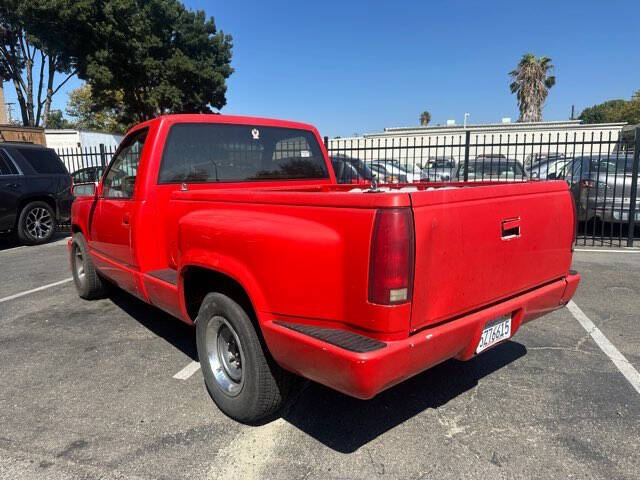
<point x="494" y="169"/>
<point x="441" y="164"/>
<point x="622" y="165"/>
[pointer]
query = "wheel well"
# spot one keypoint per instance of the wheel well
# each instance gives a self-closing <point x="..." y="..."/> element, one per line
<point x="199" y="281"/>
<point x="42" y="198"/>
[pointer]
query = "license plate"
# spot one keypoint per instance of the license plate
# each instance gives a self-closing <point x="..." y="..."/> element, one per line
<point x="494" y="332"/>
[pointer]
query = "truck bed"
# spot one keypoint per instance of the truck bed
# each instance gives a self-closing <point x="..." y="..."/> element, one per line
<point x="475" y="243"/>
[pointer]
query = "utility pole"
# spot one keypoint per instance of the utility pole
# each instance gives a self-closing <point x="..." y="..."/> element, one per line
<point x="466" y="116"/>
<point x="3" y="110"/>
<point x="573" y="111"/>
<point x="10" y="111"/>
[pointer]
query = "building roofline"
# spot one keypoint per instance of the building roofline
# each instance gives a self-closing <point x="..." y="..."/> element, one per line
<point x="495" y="127"/>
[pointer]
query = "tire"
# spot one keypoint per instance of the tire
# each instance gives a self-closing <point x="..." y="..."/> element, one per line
<point x="36" y="223"/>
<point x="241" y="377"/>
<point x="87" y="280"/>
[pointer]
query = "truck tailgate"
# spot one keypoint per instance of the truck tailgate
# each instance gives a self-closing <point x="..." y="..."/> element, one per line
<point x="478" y="245"/>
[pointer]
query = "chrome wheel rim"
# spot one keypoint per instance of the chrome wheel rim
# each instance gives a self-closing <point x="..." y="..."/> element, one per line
<point x="79" y="265"/>
<point x="225" y="355"/>
<point x="39" y="223"/>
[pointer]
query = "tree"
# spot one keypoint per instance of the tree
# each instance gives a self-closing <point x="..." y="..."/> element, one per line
<point x="30" y="41"/>
<point x="425" y="118"/>
<point x="164" y="59"/>
<point x="80" y="107"/>
<point x="617" y="110"/>
<point x="531" y="84"/>
<point x="57" y="121"/>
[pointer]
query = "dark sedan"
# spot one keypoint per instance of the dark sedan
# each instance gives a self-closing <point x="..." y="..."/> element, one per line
<point x="349" y="170"/>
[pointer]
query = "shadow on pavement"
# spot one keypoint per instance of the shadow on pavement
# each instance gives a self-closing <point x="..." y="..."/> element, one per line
<point x="173" y="330"/>
<point x="340" y="422"/>
<point x="345" y="424"/>
<point x="9" y="241"/>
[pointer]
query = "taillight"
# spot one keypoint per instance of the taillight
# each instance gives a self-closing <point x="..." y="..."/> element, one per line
<point x="391" y="260"/>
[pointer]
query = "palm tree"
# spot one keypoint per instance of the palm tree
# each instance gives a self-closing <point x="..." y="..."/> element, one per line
<point x="425" y="118"/>
<point x="531" y="84"/>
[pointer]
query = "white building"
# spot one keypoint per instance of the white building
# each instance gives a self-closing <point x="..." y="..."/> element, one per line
<point x="511" y="139"/>
<point x="71" y="139"/>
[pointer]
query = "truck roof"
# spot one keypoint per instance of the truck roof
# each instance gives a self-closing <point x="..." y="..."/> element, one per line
<point x="227" y="119"/>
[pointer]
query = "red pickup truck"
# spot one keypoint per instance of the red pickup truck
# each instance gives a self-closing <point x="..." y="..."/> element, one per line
<point x="237" y="225"/>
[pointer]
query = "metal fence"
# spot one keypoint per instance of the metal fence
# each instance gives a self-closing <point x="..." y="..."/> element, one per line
<point x="87" y="161"/>
<point x="601" y="170"/>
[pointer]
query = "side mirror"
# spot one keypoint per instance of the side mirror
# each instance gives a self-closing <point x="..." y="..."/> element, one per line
<point x="88" y="189"/>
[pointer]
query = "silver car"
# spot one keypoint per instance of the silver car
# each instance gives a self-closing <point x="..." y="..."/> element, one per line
<point x="439" y="169"/>
<point x="601" y="187"/>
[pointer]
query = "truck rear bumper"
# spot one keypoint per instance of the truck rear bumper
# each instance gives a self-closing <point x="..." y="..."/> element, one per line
<point x="363" y="367"/>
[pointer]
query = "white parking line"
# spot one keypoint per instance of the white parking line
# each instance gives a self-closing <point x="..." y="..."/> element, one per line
<point x="621" y="362"/>
<point x="41" y="288"/>
<point x="187" y="371"/>
<point x="631" y="250"/>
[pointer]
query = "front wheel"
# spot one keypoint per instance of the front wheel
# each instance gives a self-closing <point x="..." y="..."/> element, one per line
<point x="242" y="379"/>
<point x="88" y="282"/>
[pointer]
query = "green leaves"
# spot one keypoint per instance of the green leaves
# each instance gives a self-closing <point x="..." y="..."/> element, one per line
<point x="531" y="84"/>
<point x="617" y="110"/>
<point x="161" y="56"/>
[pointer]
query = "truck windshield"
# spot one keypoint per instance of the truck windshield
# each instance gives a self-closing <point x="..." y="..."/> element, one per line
<point x="235" y="153"/>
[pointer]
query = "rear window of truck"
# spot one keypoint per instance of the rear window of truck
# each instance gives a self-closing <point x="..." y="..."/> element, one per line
<point x="236" y="153"/>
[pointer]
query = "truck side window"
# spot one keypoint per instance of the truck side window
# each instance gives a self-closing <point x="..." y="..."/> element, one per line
<point x="121" y="178"/>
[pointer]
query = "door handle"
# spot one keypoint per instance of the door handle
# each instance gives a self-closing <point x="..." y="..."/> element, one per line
<point x="125" y="219"/>
<point x="510" y="228"/>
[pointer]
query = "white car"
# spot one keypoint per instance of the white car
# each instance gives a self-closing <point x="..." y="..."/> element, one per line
<point x="391" y="171"/>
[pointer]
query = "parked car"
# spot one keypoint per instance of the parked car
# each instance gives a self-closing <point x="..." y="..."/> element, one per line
<point x="284" y="272"/>
<point x="439" y="169"/>
<point x="349" y="170"/>
<point x="601" y="187"/>
<point x="88" y="174"/>
<point x="544" y="166"/>
<point x="35" y="192"/>
<point x="392" y="171"/>
<point x="484" y="169"/>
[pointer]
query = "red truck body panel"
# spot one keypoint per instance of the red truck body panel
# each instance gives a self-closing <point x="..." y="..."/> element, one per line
<point x="301" y="250"/>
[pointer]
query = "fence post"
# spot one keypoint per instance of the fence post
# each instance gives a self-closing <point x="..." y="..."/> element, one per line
<point x="634" y="189"/>
<point x="467" y="143"/>
<point x="103" y="159"/>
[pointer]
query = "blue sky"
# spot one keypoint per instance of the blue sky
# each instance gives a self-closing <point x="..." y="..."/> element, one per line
<point x="361" y="66"/>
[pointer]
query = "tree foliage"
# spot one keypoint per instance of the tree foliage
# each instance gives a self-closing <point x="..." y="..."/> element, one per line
<point x="80" y="108"/>
<point x="618" y="110"/>
<point x="163" y="58"/>
<point x="57" y="121"/>
<point x="33" y="50"/>
<point x="531" y="81"/>
<point x="425" y="118"/>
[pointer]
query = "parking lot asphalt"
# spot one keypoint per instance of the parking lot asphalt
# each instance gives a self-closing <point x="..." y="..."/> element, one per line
<point x="87" y="391"/>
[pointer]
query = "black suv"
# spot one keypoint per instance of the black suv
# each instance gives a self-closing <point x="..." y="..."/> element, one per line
<point x="35" y="191"/>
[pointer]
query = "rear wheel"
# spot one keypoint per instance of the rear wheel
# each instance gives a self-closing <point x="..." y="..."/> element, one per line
<point x="87" y="280"/>
<point x="36" y="223"/>
<point x="241" y="377"/>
